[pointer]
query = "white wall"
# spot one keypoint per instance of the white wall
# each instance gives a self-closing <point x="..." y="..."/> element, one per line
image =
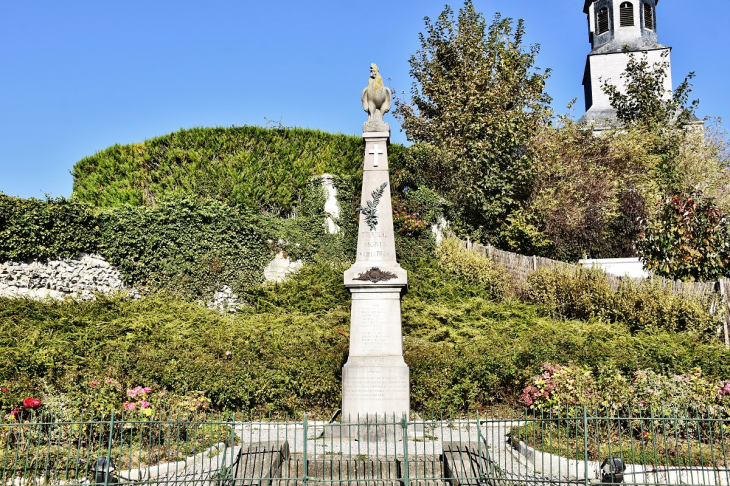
<point x="609" y="67"/>
<point x="618" y="266"/>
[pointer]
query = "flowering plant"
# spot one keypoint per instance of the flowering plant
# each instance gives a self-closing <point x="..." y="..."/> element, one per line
<point x="31" y="402"/>
<point x="406" y="221"/>
<point x="139" y="400"/>
<point x="559" y="386"/>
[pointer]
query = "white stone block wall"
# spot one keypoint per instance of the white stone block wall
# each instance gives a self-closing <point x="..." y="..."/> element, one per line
<point x="281" y="267"/>
<point x="621" y="267"/>
<point x="78" y="277"/>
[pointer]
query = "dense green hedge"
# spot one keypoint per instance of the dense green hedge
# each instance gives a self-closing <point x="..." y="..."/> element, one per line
<point x="186" y="245"/>
<point x="256" y="167"/>
<point x="581" y="293"/>
<point x="287" y="348"/>
<point x="42" y="229"/>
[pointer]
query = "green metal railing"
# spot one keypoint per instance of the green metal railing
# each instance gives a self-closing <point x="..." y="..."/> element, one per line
<point x="501" y="446"/>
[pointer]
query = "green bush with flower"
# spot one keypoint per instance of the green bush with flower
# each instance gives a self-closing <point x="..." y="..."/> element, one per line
<point x="608" y="390"/>
<point x="407" y="220"/>
<point x="666" y="419"/>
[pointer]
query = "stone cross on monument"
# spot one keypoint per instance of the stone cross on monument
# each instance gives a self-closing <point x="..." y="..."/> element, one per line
<point x="375" y="152"/>
<point x="375" y="379"/>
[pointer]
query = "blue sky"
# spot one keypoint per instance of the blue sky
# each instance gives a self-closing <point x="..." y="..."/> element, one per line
<point x="79" y="76"/>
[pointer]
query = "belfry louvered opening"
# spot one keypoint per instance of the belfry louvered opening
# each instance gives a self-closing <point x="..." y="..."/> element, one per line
<point x="627" y="14"/>
<point x="603" y="21"/>
<point x="648" y="17"/>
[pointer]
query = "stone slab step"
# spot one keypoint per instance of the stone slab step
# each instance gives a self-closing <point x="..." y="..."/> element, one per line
<point x="260" y="464"/>
<point x="343" y="469"/>
<point x="427" y="471"/>
<point x="465" y="463"/>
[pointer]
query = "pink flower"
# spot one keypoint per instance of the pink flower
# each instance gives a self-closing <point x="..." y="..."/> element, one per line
<point x="146" y="389"/>
<point x="129" y="406"/>
<point x="228" y="353"/>
<point x="131" y="393"/>
<point x="144" y="404"/>
<point x="162" y="394"/>
<point x="94" y="383"/>
<point x="5" y="390"/>
<point x="642" y="403"/>
<point x="31" y="402"/>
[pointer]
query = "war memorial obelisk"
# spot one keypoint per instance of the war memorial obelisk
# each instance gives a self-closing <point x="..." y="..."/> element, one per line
<point x="375" y="379"/>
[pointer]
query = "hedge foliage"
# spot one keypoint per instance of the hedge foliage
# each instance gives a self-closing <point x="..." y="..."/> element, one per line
<point x="260" y="168"/>
<point x="186" y="244"/>
<point x="583" y="293"/>
<point x="43" y="229"/>
<point x="288" y="347"/>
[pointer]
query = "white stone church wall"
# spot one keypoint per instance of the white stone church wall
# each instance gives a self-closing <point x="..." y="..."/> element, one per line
<point x="610" y="67"/>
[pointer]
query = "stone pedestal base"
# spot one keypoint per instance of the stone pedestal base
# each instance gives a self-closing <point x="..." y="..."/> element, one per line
<point x="375" y="398"/>
<point x="375" y="385"/>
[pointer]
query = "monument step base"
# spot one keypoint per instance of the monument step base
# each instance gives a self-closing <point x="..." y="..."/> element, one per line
<point x="271" y="463"/>
<point x="360" y="470"/>
<point x="371" y="431"/>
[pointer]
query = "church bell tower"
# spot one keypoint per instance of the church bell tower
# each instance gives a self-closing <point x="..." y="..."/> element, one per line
<point x="617" y="28"/>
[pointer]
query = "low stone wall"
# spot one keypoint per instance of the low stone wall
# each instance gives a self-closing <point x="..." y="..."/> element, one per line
<point x="86" y="275"/>
<point x="78" y="277"/>
<point x="281" y="267"/>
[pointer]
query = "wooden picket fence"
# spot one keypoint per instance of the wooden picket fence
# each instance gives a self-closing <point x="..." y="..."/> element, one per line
<point x="519" y="267"/>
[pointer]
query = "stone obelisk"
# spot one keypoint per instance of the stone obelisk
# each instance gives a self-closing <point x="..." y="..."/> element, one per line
<point x="375" y="379"/>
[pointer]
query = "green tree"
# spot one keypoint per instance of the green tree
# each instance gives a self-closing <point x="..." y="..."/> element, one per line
<point x="687" y="235"/>
<point x="645" y="101"/>
<point x="657" y="118"/>
<point x="476" y="100"/>
<point x="689" y="239"/>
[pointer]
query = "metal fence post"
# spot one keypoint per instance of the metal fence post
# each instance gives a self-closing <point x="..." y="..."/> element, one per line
<point x="406" y="472"/>
<point x="109" y="450"/>
<point x="228" y="472"/>
<point x="480" y="470"/>
<point x="305" y="458"/>
<point x="585" y="444"/>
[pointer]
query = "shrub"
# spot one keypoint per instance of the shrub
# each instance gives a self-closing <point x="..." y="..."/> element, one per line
<point x="578" y="293"/>
<point x="586" y="195"/>
<point x="184" y="245"/>
<point x="472" y="268"/>
<point x="43" y="229"/>
<point x="466" y="349"/>
<point x="259" y="168"/>
<point x="688" y="239"/>
<point x="407" y="220"/>
<point x="569" y="386"/>
<point x="608" y="391"/>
